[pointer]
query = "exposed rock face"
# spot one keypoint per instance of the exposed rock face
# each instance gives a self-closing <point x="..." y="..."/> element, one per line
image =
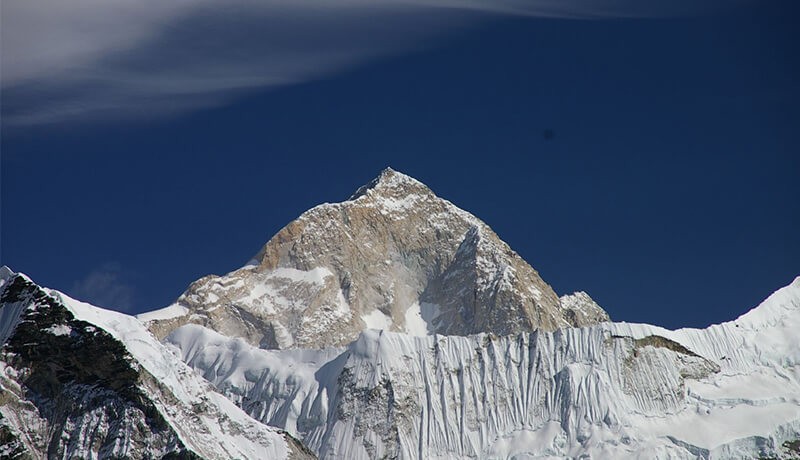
<point x="395" y="257"/>
<point x="76" y="378"/>
<point x="71" y="389"/>
<point x="580" y="308"/>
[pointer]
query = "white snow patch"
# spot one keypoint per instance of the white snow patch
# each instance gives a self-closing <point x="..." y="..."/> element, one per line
<point x="283" y="336"/>
<point x="391" y="205"/>
<point x="265" y="297"/>
<point x="544" y="442"/>
<point x="173" y="311"/>
<point x="59" y="329"/>
<point x="419" y="317"/>
<point x="313" y="276"/>
<point x="376" y="319"/>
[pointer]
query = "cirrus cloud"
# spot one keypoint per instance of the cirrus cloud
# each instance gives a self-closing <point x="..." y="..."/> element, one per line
<point x="90" y="59"/>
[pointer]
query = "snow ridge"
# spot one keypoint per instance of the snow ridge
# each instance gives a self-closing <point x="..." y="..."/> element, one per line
<point x="119" y="393"/>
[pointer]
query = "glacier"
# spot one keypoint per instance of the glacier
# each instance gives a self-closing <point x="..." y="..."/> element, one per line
<point x="614" y="390"/>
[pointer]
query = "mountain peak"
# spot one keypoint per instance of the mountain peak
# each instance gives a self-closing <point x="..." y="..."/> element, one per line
<point x="5" y="272"/>
<point x="394" y="256"/>
<point x="393" y="184"/>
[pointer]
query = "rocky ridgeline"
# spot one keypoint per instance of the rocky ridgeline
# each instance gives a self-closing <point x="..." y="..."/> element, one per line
<point x="71" y="389"/>
<point x="395" y="257"/>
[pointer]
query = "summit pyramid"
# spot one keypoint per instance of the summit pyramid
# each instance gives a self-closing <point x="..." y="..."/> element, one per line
<point x="394" y="256"/>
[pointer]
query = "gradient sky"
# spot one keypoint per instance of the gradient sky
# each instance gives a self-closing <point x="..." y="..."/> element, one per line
<point x="668" y="190"/>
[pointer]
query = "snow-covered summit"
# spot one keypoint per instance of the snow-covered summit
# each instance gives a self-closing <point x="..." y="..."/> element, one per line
<point x="391" y="183"/>
<point x="5" y="273"/>
<point x="394" y="256"/>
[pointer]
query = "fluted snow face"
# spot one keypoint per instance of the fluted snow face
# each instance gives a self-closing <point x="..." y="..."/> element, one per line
<point x="395" y="257"/>
<point x="609" y="391"/>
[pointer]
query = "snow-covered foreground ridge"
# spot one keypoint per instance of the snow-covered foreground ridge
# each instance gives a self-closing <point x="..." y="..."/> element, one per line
<point x="614" y="390"/>
<point x="78" y="381"/>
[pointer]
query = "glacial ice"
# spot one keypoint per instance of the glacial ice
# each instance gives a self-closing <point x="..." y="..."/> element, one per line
<point x="613" y="390"/>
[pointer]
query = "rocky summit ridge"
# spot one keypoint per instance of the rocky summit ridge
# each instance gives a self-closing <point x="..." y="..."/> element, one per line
<point x="394" y="256"/>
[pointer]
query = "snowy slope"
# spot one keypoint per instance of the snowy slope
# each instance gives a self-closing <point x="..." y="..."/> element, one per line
<point x="607" y="391"/>
<point x="79" y="381"/>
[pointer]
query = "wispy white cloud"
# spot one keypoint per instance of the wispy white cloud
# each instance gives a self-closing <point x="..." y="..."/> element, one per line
<point x="64" y="61"/>
<point x="105" y="287"/>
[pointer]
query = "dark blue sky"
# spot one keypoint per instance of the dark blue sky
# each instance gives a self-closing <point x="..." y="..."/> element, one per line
<point x="669" y="190"/>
